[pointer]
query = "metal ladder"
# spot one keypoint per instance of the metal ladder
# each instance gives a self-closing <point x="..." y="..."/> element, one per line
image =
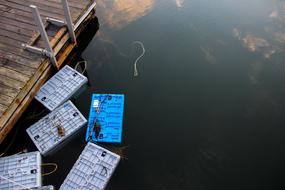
<point x="48" y="51"/>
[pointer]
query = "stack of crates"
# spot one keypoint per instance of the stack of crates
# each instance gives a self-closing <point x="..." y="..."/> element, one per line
<point x="95" y="165"/>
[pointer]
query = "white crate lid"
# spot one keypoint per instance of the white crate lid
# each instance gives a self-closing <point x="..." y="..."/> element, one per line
<point x="20" y="171"/>
<point x="45" y="134"/>
<point x="49" y="187"/>
<point x="60" y="87"/>
<point x="92" y="170"/>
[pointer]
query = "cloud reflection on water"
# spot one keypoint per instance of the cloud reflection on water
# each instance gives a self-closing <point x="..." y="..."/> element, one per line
<point x="179" y="3"/>
<point x="118" y="13"/>
<point x="256" y="43"/>
<point x="273" y="40"/>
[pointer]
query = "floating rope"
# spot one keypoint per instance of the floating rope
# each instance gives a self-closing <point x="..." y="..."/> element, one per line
<point x="143" y="52"/>
<point x="16" y="183"/>
<point x="78" y="63"/>
<point x="50" y="164"/>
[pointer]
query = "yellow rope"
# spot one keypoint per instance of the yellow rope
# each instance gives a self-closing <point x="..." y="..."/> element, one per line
<point x="50" y="164"/>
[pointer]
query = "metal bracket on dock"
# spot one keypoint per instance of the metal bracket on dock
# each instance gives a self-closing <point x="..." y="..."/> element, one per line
<point x="82" y="18"/>
<point x="55" y="21"/>
<point x="48" y="51"/>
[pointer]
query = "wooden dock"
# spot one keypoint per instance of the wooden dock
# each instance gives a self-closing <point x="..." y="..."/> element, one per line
<point x="22" y="72"/>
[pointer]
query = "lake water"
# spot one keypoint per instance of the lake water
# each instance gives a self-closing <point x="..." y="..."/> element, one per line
<point x="207" y="108"/>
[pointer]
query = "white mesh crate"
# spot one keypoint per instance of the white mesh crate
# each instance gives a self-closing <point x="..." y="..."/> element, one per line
<point x="92" y="170"/>
<point x="50" y="187"/>
<point x="60" y="87"/>
<point x="20" y="171"/>
<point x="46" y="133"/>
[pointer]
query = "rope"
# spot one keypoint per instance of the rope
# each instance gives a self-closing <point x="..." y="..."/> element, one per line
<point x="98" y="111"/>
<point x="78" y="63"/>
<point x="16" y="183"/>
<point x="143" y="52"/>
<point x="50" y="164"/>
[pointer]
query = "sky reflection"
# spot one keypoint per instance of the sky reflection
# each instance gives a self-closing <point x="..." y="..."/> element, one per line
<point x="118" y="13"/>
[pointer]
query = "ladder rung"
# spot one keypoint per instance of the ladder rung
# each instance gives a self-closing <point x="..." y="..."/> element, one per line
<point x="55" y="21"/>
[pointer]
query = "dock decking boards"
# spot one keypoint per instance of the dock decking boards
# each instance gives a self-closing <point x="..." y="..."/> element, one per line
<point x="21" y="72"/>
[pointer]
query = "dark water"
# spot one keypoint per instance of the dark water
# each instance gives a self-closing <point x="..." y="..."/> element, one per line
<point x="207" y="109"/>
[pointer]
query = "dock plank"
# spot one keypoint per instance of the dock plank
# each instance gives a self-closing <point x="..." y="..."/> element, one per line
<point x="9" y="19"/>
<point x="16" y="29"/>
<point x="7" y="57"/>
<point x="4" y="71"/>
<point x="16" y="47"/>
<point x="73" y="4"/>
<point x="5" y="100"/>
<point x="21" y="69"/>
<point x="26" y="11"/>
<point x="42" y="6"/>
<point x="12" y="83"/>
<point x="2" y="108"/>
<point x="11" y="92"/>
<point x="14" y="35"/>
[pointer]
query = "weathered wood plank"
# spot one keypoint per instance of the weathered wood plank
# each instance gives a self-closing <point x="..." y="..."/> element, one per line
<point x="2" y="108"/>
<point x="18" y="15"/>
<point x="16" y="47"/>
<point x="21" y="69"/>
<point x="7" y="55"/>
<point x="5" y="100"/>
<point x="20" y="52"/>
<point x="56" y="5"/>
<point x="25" y="10"/>
<point x="12" y="21"/>
<point x="14" y="35"/>
<point x="8" y="91"/>
<point x="61" y="43"/>
<point x="16" y="29"/>
<point x="45" y="11"/>
<point x="72" y="4"/>
<point x="11" y="82"/>
<point x="59" y="35"/>
<point x="21" y="60"/>
<point x="13" y="74"/>
<point x="43" y="8"/>
<point x="10" y="41"/>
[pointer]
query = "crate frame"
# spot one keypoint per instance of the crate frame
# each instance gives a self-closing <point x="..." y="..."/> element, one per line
<point x="87" y="160"/>
<point x="61" y="86"/>
<point x="21" y="161"/>
<point x="47" y="128"/>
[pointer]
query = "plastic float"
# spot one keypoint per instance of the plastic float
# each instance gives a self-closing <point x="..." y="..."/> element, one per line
<point x="105" y="118"/>
<point x="55" y="128"/>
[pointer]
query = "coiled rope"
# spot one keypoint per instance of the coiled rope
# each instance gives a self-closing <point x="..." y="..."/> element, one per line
<point x="50" y="164"/>
<point x="143" y="52"/>
<point x="78" y="63"/>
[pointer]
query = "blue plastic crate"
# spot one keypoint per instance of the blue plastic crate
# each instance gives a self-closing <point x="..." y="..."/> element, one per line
<point x="108" y="111"/>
